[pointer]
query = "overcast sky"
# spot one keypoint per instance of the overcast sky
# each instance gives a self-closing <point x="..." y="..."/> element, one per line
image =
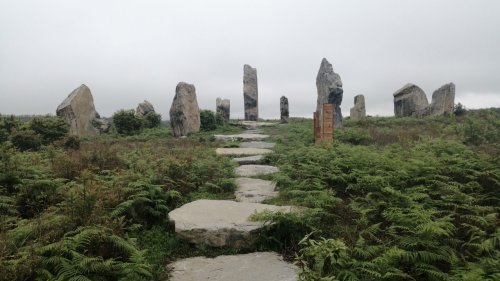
<point x="130" y="51"/>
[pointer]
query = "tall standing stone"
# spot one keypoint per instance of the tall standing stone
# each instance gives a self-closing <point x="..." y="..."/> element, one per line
<point x="184" y="112"/>
<point x="284" y="109"/>
<point x="443" y="100"/>
<point x="410" y="100"/>
<point x="144" y="108"/>
<point x="330" y="90"/>
<point x="250" y="93"/>
<point x="223" y="107"/>
<point x="358" y="111"/>
<point x="79" y="112"/>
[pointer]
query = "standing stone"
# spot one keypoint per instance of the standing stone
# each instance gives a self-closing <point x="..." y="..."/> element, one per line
<point x="284" y="109"/>
<point x="144" y="108"/>
<point x="358" y="111"/>
<point x="250" y="93"/>
<point x="79" y="112"/>
<point x="443" y="100"/>
<point x="410" y="100"/>
<point x="223" y="107"/>
<point x="330" y="90"/>
<point x="184" y="112"/>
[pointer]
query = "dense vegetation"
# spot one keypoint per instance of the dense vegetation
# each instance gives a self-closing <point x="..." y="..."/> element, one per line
<point x="390" y="199"/>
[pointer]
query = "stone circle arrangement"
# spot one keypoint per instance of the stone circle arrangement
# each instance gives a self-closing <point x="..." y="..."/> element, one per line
<point x="220" y="223"/>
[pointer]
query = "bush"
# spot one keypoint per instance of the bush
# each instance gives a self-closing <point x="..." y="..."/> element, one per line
<point x="152" y="120"/>
<point x="127" y="123"/>
<point x="459" y="109"/>
<point x="207" y="119"/>
<point x="7" y="125"/>
<point x="26" y="139"/>
<point x="50" y="129"/>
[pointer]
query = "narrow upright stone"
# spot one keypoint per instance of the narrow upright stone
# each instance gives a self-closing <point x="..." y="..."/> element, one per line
<point x="250" y="93"/>
<point x="358" y="111"/>
<point x="184" y="112"/>
<point x="79" y="112"/>
<point x="223" y="108"/>
<point x="329" y="86"/>
<point x="410" y="100"/>
<point x="443" y="100"/>
<point x="284" y="109"/>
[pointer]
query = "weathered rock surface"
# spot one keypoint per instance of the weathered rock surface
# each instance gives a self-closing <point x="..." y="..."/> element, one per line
<point x="410" y="100"/>
<point x="261" y="266"/>
<point x="255" y="170"/>
<point x="329" y="86"/>
<point x="184" y="112"/>
<point x="254" y="190"/>
<point x="242" y="151"/>
<point x="284" y="109"/>
<point x="256" y="159"/>
<point x="257" y="144"/>
<point x="241" y="137"/>
<point x="358" y="111"/>
<point x="443" y="100"/>
<point x="250" y="93"/>
<point x="223" y="106"/>
<point x="79" y="112"/>
<point x="220" y="223"/>
<point x="144" y="108"/>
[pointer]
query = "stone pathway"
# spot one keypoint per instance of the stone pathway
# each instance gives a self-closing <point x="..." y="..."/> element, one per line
<point x="257" y="144"/>
<point x="260" y="266"/>
<point x="249" y="160"/>
<point x="242" y="151"/>
<point x="254" y="190"/>
<point x="226" y="223"/>
<point x="255" y="170"/>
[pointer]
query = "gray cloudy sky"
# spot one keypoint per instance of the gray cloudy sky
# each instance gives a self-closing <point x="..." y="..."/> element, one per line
<point x="128" y="51"/>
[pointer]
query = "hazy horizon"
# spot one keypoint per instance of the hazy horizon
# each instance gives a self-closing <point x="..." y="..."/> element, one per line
<point x="130" y="51"/>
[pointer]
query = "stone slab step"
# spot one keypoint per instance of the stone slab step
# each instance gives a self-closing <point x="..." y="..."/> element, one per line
<point x="255" y="124"/>
<point x="254" y="190"/>
<point x="255" y="170"/>
<point x="220" y="223"/>
<point x="242" y="151"/>
<point x="241" y="137"/>
<point x="262" y="266"/>
<point x="257" y="144"/>
<point x="249" y="160"/>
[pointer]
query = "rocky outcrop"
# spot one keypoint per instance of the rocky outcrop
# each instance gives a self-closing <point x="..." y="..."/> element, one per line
<point x="223" y="108"/>
<point x="410" y="101"/>
<point x="250" y="93"/>
<point x="219" y="223"/>
<point x="247" y="267"/>
<point x="144" y="108"/>
<point x="284" y="109"/>
<point x="329" y="86"/>
<point x="79" y="112"/>
<point x="358" y="111"/>
<point x="184" y="112"/>
<point x="443" y="100"/>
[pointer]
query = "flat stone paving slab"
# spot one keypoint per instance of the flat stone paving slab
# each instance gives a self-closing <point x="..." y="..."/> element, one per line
<point x="257" y="144"/>
<point x="255" y="170"/>
<point x="242" y="151"/>
<point x="255" y="124"/>
<point x="249" y="159"/>
<point x="241" y="137"/>
<point x="261" y="266"/>
<point x="220" y="223"/>
<point x="254" y="190"/>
